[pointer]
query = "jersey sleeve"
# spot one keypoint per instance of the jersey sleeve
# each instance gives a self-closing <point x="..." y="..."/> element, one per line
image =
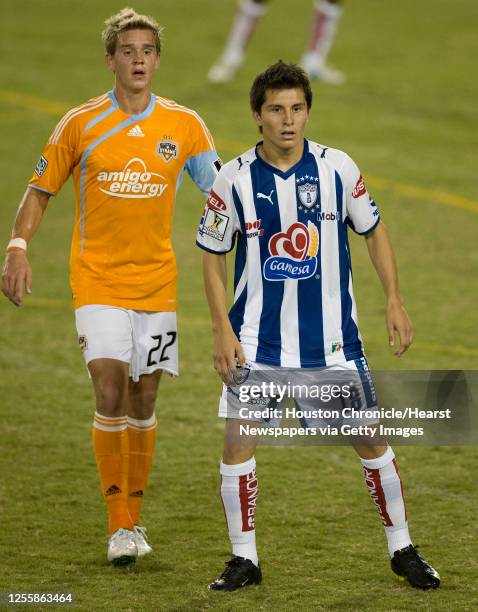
<point x="361" y="212"/>
<point x="219" y="222"/>
<point x="203" y="163"/>
<point x="57" y="159"/>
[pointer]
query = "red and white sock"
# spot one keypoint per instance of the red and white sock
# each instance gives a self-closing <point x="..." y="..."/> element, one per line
<point x="247" y="15"/>
<point x="385" y="488"/>
<point x="239" y="491"/>
<point x="325" y="22"/>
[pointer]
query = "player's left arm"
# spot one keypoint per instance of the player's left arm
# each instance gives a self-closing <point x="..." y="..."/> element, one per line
<point x="383" y="258"/>
<point x="203" y="162"/>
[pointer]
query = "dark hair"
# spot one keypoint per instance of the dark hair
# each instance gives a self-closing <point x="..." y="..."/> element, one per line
<point x="279" y="76"/>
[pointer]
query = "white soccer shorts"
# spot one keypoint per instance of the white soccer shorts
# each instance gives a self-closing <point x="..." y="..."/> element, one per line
<point x="145" y="340"/>
<point x="353" y="376"/>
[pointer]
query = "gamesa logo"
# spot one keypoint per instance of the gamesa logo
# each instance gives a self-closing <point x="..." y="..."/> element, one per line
<point x="293" y="253"/>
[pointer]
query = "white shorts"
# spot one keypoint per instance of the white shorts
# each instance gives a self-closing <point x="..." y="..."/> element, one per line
<point x="145" y="340"/>
<point x="308" y="388"/>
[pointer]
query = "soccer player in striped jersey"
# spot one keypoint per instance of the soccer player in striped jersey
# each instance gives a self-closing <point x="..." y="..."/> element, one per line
<point x="287" y="203"/>
<point x="325" y="20"/>
<point x="127" y="151"/>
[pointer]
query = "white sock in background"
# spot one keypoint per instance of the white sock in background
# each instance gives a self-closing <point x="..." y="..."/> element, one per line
<point x="326" y="19"/>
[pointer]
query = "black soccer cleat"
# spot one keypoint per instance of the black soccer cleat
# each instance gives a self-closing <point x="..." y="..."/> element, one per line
<point x="239" y="572"/>
<point x="407" y="563"/>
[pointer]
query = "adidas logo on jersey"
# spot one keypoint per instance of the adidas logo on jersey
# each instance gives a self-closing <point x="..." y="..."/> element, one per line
<point x="135" y="131"/>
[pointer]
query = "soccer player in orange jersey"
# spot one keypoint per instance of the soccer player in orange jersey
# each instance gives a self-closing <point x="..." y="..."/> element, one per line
<point x="126" y="151"/>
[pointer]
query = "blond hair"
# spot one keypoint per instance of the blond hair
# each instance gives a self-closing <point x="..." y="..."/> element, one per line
<point x="129" y="19"/>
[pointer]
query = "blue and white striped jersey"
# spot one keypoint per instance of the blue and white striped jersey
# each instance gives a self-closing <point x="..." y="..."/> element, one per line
<point x="293" y="299"/>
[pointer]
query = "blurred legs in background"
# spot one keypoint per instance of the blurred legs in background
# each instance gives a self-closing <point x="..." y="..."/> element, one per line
<point x="324" y="27"/>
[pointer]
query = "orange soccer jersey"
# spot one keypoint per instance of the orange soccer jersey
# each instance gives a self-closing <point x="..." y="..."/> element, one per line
<point x="126" y="170"/>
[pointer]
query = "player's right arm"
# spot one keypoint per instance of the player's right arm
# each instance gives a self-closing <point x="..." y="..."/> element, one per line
<point x="216" y="234"/>
<point x="17" y="274"/>
<point x="227" y="348"/>
<point x="52" y="170"/>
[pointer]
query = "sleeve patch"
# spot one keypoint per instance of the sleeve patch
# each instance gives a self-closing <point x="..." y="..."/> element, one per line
<point x="215" y="202"/>
<point x="41" y="166"/>
<point x="214" y="224"/>
<point x="359" y="189"/>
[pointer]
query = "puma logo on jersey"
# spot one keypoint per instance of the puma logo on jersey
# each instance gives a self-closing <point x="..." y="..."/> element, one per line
<point x="241" y="163"/>
<point x="263" y="196"/>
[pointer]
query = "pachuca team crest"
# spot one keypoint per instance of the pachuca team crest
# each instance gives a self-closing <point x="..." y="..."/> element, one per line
<point x="308" y="193"/>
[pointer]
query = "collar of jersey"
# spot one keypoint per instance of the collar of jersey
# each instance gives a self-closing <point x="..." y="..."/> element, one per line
<point x="291" y="170"/>
<point x="146" y="113"/>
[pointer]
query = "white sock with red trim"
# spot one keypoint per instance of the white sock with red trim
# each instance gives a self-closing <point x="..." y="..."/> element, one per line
<point x="385" y="487"/>
<point x="247" y="15"/>
<point x="239" y="490"/>
<point x="326" y="19"/>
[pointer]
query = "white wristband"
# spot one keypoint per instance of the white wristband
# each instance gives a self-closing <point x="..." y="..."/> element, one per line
<point x="18" y="243"/>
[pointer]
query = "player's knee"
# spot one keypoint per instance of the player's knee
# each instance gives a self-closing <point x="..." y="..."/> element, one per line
<point x="237" y="453"/>
<point x="144" y="408"/>
<point x="142" y="401"/>
<point x="111" y="398"/>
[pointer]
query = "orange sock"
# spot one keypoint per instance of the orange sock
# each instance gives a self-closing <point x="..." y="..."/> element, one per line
<point x="110" y="444"/>
<point x="142" y="440"/>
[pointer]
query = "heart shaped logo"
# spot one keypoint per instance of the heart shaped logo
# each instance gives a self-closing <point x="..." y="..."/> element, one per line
<point x="293" y="243"/>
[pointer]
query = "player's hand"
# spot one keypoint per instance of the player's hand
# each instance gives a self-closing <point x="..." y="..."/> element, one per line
<point x="399" y="324"/>
<point x="227" y="354"/>
<point x="16" y="276"/>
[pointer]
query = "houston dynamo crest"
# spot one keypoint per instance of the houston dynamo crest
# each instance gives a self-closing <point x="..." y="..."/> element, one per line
<point x="167" y="149"/>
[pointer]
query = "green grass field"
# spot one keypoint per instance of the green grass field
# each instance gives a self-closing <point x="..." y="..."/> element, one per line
<point x="406" y="116"/>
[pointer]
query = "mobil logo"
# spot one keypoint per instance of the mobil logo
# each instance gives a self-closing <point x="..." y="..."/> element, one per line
<point x="328" y="216"/>
<point x="293" y="253"/>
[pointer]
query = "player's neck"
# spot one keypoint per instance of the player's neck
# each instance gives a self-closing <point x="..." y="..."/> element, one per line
<point x="282" y="159"/>
<point x="132" y="103"/>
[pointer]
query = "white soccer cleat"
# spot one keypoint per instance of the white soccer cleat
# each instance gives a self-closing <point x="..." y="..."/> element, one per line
<point x="225" y="69"/>
<point x="317" y="70"/>
<point x="141" y="541"/>
<point x="122" y="548"/>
